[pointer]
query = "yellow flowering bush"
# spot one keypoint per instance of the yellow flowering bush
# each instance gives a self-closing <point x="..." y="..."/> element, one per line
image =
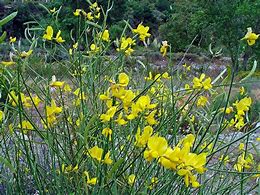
<point x="101" y="126"/>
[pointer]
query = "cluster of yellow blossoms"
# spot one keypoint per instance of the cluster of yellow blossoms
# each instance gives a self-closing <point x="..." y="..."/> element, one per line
<point x="241" y="107"/>
<point x="34" y="101"/>
<point x="51" y="114"/>
<point x="119" y="93"/>
<point x="244" y="162"/>
<point x="142" y="31"/>
<point x="26" y="101"/>
<point x="93" y="14"/>
<point x="126" y="45"/>
<point x="49" y="35"/>
<point x="202" y="83"/>
<point x="179" y="159"/>
<point x="127" y="103"/>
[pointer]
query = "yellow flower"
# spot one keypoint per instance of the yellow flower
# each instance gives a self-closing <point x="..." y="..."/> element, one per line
<point x="207" y="84"/>
<point x="202" y="101"/>
<point x="58" y="38"/>
<point x="25" y="54"/>
<point x="96" y="153"/>
<point x="107" y="160"/>
<point x="93" y="6"/>
<point x="107" y="132"/>
<point x="123" y="79"/>
<point x="243" y="162"/>
<point x="7" y="63"/>
<point x="70" y="51"/>
<point x="240" y="123"/>
<point x="199" y="83"/>
<point x="55" y="83"/>
<point x="125" y="45"/>
<point x="242" y="90"/>
<point x="94" y="48"/>
<point x="120" y="120"/>
<point x="36" y="100"/>
<point x="49" y="33"/>
<point x="67" y="88"/>
<point x="91" y="181"/>
<point x="150" y="118"/>
<point x="142" y="31"/>
<point x="144" y="102"/>
<point x="153" y="183"/>
<point x="243" y="105"/>
<point x="166" y="75"/>
<point x="53" y="10"/>
<point x="131" y="179"/>
<point x="97" y="16"/>
<point x="80" y="96"/>
<point x="225" y="160"/>
<point x="1" y="116"/>
<point x="164" y="48"/>
<point x="89" y="16"/>
<point x="250" y="37"/>
<point x="127" y="99"/>
<point x="187" y="87"/>
<point x="150" y="77"/>
<point x="75" y="45"/>
<point x="241" y="146"/>
<point x="157" y="146"/>
<point x="105" y="36"/>
<point x="141" y="140"/>
<point x="12" y="39"/>
<point x="109" y="114"/>
<point x="77" y="12"/>
<point x="25" y="126"/>
<point x="13" y="98"/>
<point x="51" y="112"/>
<point x="186" y="67"/>
<point x="229" y="110"/>
<point x="129" y="51"/>
<point x="190" y="178"/>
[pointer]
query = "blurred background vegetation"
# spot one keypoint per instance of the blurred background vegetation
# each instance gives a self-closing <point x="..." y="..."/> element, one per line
<point x="221" y="23"/>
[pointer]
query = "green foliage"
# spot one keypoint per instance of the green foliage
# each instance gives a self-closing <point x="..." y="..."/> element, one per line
<point x="5" y="82"/>
<point x="3" y="22"/>
<point x="186" y="21"/>
<point x="222" y="23"/>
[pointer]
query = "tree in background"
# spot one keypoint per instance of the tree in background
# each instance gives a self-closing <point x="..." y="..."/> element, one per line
<point x="222" y="23"/>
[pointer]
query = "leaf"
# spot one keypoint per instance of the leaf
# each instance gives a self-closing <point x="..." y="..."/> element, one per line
<point x="228" y="77"/>
<point x="115" y="167"/>
<point x="88" y="127"/>
<point x="7" y="164"/>
<point x="251" y="72"/>
<point x="219" y="76"/>
<point x="44" y="7"/>
<point x="141" y="63"/>
<point x="94" y="24"/>
<point x="8" y="18"/>
<point x="2" y="38"/>
<point x="210" y="49"/>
